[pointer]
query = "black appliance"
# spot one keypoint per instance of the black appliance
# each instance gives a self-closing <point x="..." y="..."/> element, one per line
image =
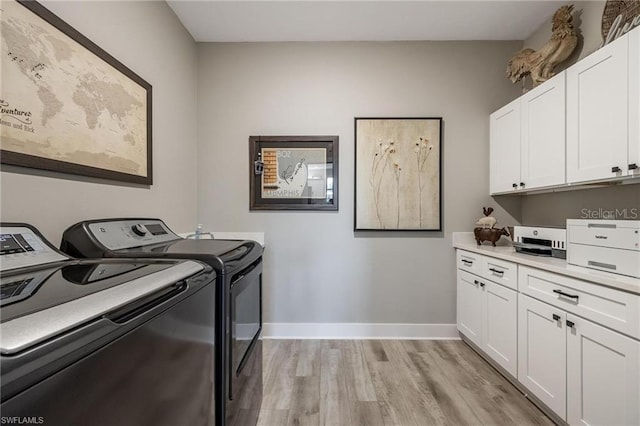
<point x="238" y="266"/>
<point x="103" y="342"/>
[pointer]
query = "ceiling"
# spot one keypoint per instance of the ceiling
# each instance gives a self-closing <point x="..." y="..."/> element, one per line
<point x="359" y="20"/>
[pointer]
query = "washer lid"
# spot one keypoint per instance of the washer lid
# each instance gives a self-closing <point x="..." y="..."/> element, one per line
<point x="43" y="303"/>
<point x="219" y="248"/>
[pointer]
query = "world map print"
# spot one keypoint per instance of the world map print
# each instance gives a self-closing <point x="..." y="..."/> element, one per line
<point x="60" y="101"/>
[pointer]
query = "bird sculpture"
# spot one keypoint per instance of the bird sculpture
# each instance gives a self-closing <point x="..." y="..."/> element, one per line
<point x="487" y="221"/>
<point x="539" y="64"/>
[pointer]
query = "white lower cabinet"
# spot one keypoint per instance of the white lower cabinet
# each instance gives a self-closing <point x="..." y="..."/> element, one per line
<point x="542" y="352"/>
<point x="487" y="316"/>
<point x="499" y="326"/>
<point x="572" y="344"/>
<point x="586" y="373"/>
<point x="603" y="375"/>
<point x="470" y="307"/>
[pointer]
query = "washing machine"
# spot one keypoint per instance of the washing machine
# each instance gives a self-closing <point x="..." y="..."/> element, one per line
<point x="103" y="342"/>
<point x="238" y="268"/>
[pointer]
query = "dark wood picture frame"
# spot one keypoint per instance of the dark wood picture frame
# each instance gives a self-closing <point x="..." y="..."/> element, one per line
<point x="45" y="163"/>
<point x="280" y="165"/>
<point x="387" y="156"/>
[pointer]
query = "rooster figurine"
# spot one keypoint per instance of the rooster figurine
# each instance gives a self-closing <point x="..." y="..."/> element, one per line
<point x="540" y="64"/>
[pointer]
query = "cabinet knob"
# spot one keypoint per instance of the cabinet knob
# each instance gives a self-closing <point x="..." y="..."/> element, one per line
<point x="633" y="166"/>
<point x="481" y="284"/>
<point x="570" y="324"/>
<point x="515" y="185"/>
<point x="615" y="169"/>
<point x="556" y="317"/>
<point x="522" y="184"/>
<point x="476" y="282"/>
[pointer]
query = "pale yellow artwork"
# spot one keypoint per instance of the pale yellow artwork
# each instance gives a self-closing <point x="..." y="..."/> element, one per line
<point x="61" y="102"/>
<point x="398" y="174"/>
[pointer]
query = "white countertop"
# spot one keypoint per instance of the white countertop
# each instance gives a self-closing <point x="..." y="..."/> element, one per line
<point x="504" y="251"/>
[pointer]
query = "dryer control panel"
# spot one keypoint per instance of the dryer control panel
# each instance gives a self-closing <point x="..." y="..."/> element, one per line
<point x="21" y="247"/>
<point x="123" y="234"/>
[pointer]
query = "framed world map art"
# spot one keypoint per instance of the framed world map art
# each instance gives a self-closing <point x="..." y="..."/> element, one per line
<point x="66" y="105"/>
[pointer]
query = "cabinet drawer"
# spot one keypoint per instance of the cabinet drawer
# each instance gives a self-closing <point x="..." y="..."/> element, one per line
<point x="612" y="308"/>
<point x="470" y="262"/>
<point x="604" y="233"/>
<point x="501" y="272"/>
<point x="623" y="262"/>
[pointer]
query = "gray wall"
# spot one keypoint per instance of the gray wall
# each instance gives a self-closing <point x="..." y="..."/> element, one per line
<point x="149" y="39"/>
<point x="316" y="269"/>
<point x="620" y="202"/>
<point x="554" y="209"/>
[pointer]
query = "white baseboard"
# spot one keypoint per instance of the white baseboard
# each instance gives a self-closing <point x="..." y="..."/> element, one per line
<point x="348" y="330"/>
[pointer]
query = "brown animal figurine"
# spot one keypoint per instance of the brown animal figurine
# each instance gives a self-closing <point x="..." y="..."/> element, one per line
<point x="489" y="234"/>
<point x="540" y="64"/>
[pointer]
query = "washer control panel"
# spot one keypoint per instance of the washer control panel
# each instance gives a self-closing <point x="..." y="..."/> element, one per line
<point x="123" y="234"/>
<point x="20" y="247"/>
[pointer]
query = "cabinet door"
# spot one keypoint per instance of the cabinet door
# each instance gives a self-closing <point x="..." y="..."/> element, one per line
<point x="597" y="114"/>
<point x="500" y="326"/>
<point x="470" y="307"/>
<point x="542" y="160"/>
<point x="505" y="148"/>
<point x="634" y="103"/>
<point x="603" y="375"/>
<point x="542" y="352"/>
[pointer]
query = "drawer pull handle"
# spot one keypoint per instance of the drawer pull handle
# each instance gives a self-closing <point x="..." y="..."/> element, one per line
<point x="633" y="166"/>
<point x="570" y="324"/>
<point x="602" y="265"/>
<point x="562" y="293"/>
<point x="496" y="271"/>
<point x="556" y="317"/>
<point x="467" y="262"/>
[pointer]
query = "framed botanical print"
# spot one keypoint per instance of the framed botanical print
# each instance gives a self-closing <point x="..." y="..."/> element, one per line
<point x="398" y="174"/>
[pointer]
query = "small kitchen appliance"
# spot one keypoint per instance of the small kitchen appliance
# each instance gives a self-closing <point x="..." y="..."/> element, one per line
<point x="540" y="241"/>
<point x="605" y="245"/>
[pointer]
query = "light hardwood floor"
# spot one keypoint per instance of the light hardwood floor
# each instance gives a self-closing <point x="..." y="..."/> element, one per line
<point x="380" y="382"/>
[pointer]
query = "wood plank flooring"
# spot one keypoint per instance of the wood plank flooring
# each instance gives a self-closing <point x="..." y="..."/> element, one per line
<point x="381" y="383"/>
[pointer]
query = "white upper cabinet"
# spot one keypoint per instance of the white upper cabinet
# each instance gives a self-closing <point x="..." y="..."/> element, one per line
<point x="528" y="139"/>
<point x="582" y="125"/>
<point x="633" y="168"/>
<point x="505" y="148"/>
<point x="598" y="114"/>
<point x="542" y="157"/>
